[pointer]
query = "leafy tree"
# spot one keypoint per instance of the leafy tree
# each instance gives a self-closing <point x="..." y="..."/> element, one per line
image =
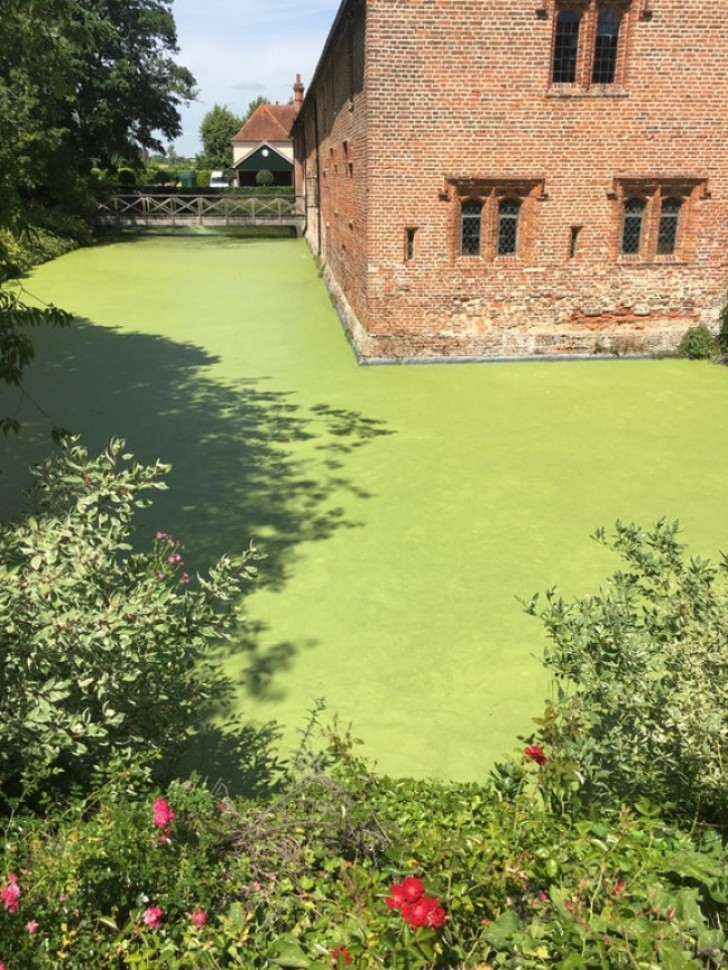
<point x="642" y="671"/>
<point x="102" y="651"/>
<point x="252" y="105"/>
<point x="82" y="82"/>
<point x="217" y="130"/>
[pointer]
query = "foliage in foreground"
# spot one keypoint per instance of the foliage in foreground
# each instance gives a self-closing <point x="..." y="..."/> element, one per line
<point x="102" y="649"/>
<point x="642" y="674"/>
<point x="347" y="868"/>
<point x="559" y="860"/>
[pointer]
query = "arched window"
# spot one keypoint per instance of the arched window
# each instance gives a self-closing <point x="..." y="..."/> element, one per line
<point x="667" y="231"/>
<point x="634" y="211"/>
<point x="605" y="49"/>
<point x="566" y="47"/>
<point x="470" y="228"/>
<point x="508" y="210"/>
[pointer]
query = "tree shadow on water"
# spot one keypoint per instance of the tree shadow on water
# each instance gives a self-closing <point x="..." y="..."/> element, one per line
<point x="249" y="460"/>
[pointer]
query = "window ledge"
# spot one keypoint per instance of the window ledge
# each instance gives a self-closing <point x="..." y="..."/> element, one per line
<point x="643" y="262"/>
<point x="596" y="91"/>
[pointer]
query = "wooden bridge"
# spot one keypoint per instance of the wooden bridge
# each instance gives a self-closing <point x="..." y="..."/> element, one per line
<point x="140" y="209"/>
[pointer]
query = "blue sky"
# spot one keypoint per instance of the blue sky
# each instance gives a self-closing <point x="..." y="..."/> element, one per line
<point x="240" y="49"/>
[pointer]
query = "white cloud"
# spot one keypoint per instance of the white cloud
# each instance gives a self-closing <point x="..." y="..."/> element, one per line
<point x="239" y="49"/>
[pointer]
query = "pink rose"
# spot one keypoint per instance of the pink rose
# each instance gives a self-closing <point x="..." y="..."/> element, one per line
<point x="153" y="917"/>
<point x="10" y="894"/>
<point x="198" y="917"/>
<point x="163" y="814"/>
<point x="32" y="926"/>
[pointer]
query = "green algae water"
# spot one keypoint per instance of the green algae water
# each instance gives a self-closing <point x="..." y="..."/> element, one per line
<point x="404" y="511"/>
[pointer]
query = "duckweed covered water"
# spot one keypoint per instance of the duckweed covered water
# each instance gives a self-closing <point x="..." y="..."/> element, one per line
<point x="404" y="510"/>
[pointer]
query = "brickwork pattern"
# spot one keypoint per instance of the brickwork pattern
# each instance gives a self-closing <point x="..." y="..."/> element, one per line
<point x="424" y="103"/>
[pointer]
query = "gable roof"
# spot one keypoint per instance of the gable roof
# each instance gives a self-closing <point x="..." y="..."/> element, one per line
<point x="269" y="122"/>
<point x="271" y="158"/>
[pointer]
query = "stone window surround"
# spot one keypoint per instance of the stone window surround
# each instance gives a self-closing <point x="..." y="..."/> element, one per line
<point x="652" y="190"/>
<point x="489" y="191"/>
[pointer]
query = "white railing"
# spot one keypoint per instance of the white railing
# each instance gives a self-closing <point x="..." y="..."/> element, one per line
<point x="139" y="208"/>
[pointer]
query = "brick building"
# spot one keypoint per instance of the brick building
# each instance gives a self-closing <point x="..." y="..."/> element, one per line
<point x="519" y="177"/>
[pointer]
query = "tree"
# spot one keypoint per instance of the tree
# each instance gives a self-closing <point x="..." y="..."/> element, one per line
<point x="216" y="131"/>
<point x="82" y="83"/>
<point x="252" y="105"/>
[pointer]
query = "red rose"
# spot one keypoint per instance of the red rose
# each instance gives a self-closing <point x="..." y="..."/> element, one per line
<point x="426" y="911"/>
<point x="412" y="888"/>
<point x="341" y="953"/>
<point x="436" y="916"/>
<point x="396" y="896"/>
<point x="535" y="752"/>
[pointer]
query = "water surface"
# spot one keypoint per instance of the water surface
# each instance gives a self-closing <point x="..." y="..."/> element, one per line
<point x="404" y="510"/>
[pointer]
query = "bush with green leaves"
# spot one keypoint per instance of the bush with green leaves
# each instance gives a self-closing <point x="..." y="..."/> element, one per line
<point x="342" y="868"/>
<point x="698" y="343"/>
<point x="641" y="667"/>
<point x="102" y="649"/>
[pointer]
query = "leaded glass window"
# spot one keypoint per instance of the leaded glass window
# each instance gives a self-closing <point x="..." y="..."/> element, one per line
<point x="566" y="47"/>
<point x="605" y="49"/>
<point x="634" y="211"/>
<point x="508" y="210"/>
<point x="667" y="231"/>
<point x="470" y="228"/>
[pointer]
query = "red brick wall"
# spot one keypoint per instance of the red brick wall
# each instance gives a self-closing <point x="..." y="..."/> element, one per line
<point x="453" y="90"/>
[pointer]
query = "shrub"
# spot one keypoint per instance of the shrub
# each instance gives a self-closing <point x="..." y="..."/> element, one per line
<point x="723" y="332"/>
<point x="102" y="650"/>
<point x="642" y="673"/>
<point x="344" y="865"/>
<point x="264" y="177"/>
<point x="698" y="343"/>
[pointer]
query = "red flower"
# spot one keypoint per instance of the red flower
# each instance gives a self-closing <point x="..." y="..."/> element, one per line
<point x="412" y="888"/>
<point x="436" y="916"/>
<point x="534" y="752"/>
<point x="426" y="911"/>
<point x="619" y="887"/>
<point x="396" y="896"/>
<point x="339" y="954"/>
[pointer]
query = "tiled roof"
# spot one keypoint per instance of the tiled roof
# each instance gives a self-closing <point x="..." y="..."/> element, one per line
<point x="269" y="122"/>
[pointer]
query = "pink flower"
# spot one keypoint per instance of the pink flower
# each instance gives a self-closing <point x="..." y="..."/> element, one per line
<point x="2" y="965"/>
<point x="198" y="917"/>
<point x="535" y="752"/>
<point x="163" y="814"/>
<point x="184" y="578"/>
<point x="160" y="535"/>
<point x="32" y="926"/>
<point x="339" y="954"/>
<point x="153" y="917"/>
<point x="10" y="894"/>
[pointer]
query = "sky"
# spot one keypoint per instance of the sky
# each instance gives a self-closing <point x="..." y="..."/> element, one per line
<point x="239" y="50"/>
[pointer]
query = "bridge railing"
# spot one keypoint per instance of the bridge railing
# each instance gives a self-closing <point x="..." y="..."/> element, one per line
<point x="180" y="209"/>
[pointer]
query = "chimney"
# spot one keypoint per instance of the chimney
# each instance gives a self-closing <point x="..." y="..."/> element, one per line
<point x="298" y="90"/>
